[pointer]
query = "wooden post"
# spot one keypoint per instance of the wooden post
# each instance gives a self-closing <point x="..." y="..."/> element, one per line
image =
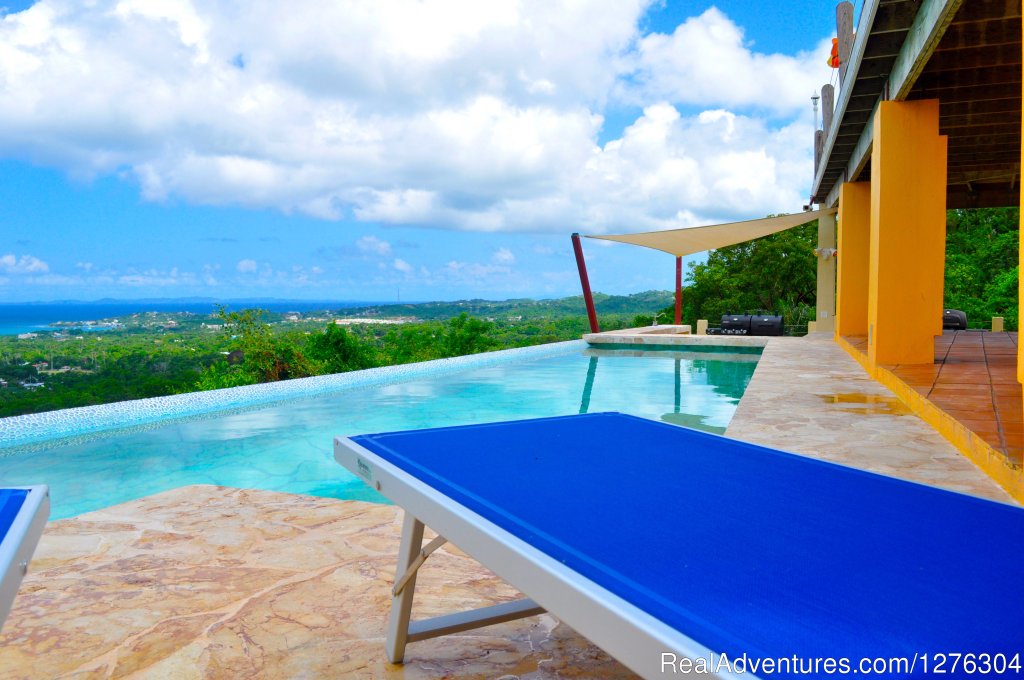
<point x="588" y="299"/>
<point x="828" y="105"/>
<point x="679" y="290"/>
<point x="844" y="31"/>
<point x="819" y="144"/>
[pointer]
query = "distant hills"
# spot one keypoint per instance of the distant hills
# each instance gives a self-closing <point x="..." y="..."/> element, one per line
<point x="647" y="302"/>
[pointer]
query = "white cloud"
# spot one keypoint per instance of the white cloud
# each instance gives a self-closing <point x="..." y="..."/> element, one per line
<point x="84" y="266"/>
<point x="209" y="274"/>
<point x="472" y="271"/>
<point x="52" y="280"/>
<point x="26" y="264"/>
<point x="401" y="265"/>
<point x="157" y="278"/>
<point x="706" y="62"/>
<point x="247" y="266"/>
<point x="503" y="256"/>
<point x="371" y="245"/>
<point x="452" y="114"/>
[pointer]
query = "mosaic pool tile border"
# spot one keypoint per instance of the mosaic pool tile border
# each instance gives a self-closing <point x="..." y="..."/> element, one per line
<point x="38" y="427"/>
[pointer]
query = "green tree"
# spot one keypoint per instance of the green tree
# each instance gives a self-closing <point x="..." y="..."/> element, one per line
<point x="776" y="273"/>
<point x="406" y="344"/>
<point x="337" y="351"/>
<point x="465" y="334"/>
<point x="981" y="264"/>
<point x="261" y="357"/>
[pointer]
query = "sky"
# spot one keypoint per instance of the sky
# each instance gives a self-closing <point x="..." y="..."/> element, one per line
<point x="389" y="149"/>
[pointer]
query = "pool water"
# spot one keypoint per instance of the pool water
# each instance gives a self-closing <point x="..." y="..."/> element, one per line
<point x="288" y="446"/>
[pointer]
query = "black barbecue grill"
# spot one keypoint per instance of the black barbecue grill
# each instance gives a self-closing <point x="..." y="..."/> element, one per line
<point x="735" y="324"/>
<point x="766" y="325"/>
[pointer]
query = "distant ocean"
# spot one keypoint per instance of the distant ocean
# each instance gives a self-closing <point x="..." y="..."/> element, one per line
<point x="29" y="318"/>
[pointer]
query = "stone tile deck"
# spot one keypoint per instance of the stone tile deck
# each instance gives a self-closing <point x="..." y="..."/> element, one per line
<point x="810" y="397"/>
<point x="208" y="582"/>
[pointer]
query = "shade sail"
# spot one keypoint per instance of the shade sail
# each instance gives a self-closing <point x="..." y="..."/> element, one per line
<point x="680" y="242"/>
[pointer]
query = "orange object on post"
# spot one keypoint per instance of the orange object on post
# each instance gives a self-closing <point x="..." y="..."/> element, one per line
<point x="833" y="59"/>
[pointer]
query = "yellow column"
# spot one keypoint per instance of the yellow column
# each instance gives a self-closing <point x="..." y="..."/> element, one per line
<point x="853" y="258"/>
<point x="826" y="293"/>
<point x="1020" y="279"/>
<point x="908" y="233"/>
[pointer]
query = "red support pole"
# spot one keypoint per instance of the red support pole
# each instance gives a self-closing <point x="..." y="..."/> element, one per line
<point x="585" y="282"/>
<point x="679" y="290"/>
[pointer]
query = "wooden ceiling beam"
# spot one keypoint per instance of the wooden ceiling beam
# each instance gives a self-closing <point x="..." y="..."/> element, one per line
<point x="986" y="56"/>
<point x="979" y="119"/>
<point x="978" y="93"/>
<point x="975" y="33"/>
<point x="949" y="108"/>
<point x="895" y="16"/>
<point x="955" y="80"/>
<point x="993" y="130"/>
<point x="960" y="197"/>
<point x="987" y="10"/>
<point x="885" y="45"/>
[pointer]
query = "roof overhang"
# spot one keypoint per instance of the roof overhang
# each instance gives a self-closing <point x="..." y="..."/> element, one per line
<point x="966" y="54"/>
<point x="681" y="242"/>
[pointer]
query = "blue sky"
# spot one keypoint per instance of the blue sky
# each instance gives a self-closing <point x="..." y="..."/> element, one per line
<point x="183" y="152"/>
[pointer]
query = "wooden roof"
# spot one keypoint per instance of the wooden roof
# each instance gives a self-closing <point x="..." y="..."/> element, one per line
<point x="966" y="54"/>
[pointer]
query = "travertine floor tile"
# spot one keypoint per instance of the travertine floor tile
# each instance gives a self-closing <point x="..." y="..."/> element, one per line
<point x="210" y="582"/>
<point x="791" y="404"/>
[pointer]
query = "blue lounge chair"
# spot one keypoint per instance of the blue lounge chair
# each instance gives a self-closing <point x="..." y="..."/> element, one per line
<point x="673" y="548"/>
<point x="23" y="514"/>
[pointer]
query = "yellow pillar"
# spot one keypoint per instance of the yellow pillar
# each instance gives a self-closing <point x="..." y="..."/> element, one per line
<point x="1020" y="279"/>
<point x="853" y="258"/>
<point x="826" y="291"/>
<point x="908" y="233"/>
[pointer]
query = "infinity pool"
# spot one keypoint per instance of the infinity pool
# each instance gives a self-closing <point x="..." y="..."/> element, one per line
<point x="288" y="446"/>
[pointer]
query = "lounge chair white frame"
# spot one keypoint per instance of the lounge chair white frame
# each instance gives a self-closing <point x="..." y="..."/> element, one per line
<point x="20" y="542"/>
<point x="632" y="636"/>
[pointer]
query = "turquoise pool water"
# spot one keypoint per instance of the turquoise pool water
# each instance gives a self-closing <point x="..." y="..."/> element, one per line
<point x="288" y="446"/>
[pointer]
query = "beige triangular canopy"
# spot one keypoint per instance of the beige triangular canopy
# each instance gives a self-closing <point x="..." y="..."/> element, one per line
<point x="680" y="242"/>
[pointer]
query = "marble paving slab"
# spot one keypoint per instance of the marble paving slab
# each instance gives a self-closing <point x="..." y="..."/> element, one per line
<point x="810" y="397"/>
<point x="211" y="582"/>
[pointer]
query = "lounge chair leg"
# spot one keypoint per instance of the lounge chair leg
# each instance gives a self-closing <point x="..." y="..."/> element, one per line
<point x="401" y="604"/>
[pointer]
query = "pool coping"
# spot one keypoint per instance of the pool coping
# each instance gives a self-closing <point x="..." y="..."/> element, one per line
<point x="670" y="335"/>
<point x="33" y="428"/>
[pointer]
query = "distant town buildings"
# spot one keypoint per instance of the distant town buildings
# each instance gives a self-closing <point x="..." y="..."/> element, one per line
<point x="353" y="322"/>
